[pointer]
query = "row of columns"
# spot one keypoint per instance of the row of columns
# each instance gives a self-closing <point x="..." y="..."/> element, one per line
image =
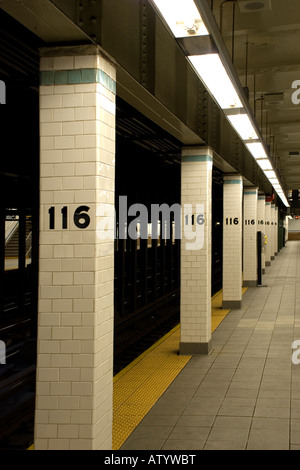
<point x="245" y="212"/>
<point x="76" y="267"/>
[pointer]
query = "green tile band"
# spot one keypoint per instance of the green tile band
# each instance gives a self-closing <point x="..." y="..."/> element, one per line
<point x="197" y="158"/>
<point x="250" y="192"/>
<point x="233" y="181"/>
<point x="261" y="198"/>
<point x="77" y="77"/>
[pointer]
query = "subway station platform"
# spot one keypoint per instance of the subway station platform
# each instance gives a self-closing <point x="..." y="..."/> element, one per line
<point x="244" y="396"/>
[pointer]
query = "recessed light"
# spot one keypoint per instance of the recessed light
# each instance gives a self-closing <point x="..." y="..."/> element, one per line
<point x="249" y="6"/>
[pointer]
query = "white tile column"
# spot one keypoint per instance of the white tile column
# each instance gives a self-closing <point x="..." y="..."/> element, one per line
<point x="232" y="241"/>
<point x="286" y="226"/>
<point x="261" y="214"/>
<point x="273" y="231"/>
<point x="76" y="277"/>
<point x="250" y="238"/>
<point x="276" y="230"/>
<point x="268" y="233"/>
<point x="195" y="294"/>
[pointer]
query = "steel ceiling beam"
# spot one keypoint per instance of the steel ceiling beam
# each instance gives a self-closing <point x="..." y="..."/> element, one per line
<point x="45" y="20"/>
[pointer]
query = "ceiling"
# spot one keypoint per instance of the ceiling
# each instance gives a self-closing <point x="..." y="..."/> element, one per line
<point x="266" y="57"/>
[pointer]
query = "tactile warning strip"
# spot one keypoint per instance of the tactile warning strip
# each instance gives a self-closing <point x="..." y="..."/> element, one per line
<point x="139" y="386"/>
<point x="141" y="383"/>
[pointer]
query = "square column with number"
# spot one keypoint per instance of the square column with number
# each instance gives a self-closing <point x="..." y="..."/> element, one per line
<point x="276" y="231"/>
<point x="268" y="249"/>
<point x="250" y="238"/>
<point x="261" y="214"/>
<point x="273" y="231"/>
<point x="76" y="272"/>
<point x="195" y="291"/>
<point x="232" y="241"/>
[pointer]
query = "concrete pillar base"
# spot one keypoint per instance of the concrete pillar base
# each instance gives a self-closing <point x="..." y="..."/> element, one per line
<point x="232" y="304"/>
<point x="195" y="348"/>
<point x="250" y="283"/>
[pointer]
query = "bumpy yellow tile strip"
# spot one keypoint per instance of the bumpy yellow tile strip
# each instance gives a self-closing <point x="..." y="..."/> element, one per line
<point x="141" y="383"/>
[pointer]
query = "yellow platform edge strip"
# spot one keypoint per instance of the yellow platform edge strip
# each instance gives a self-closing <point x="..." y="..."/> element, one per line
<point x="139" y="385"/>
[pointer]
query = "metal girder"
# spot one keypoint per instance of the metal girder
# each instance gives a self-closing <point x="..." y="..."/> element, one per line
<point x="44" y="19"/>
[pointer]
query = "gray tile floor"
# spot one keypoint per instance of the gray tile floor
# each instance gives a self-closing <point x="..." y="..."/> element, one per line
<point x="246" y="393"/>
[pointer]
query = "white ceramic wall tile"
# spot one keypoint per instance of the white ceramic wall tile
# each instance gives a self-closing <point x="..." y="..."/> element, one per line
<point x="196" y="180"/>
<point x="75" y="321"/>
<point x="268" y="232"/>
<point x="250" y="235"/>
<point x="232" y="238"/>
<point x="261" y="215"/>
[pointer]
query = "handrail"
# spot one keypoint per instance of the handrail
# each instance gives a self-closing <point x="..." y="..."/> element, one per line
<point x="28" y="244"/>
<point x="10" y="228"/>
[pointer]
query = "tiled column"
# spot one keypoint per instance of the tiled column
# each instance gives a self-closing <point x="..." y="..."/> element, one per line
<point x="76" y="279"/>
<point x="286" y="225"/>
<point x="273" y="231"/>
<point x="261" y="214"/>
<point x="276" y="231"/>
<point x="195" y="294"/>
<point x="250" y="238"/>
<point x="232" y="241"/>
<point x="268" y="233"/>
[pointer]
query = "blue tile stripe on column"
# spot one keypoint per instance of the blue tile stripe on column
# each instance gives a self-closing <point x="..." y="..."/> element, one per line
<point x="77" y="77"/>
<point x="197" y="158"/>
<point x="233" y="181"/>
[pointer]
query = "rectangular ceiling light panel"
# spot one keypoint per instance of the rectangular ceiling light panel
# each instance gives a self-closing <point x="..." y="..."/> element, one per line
<point x="270" y="174"/>
<point x="264" y="163"/>
<point x="214" y="76"/>
<point x="243" y="126"/>
<point x="257" y="150"/>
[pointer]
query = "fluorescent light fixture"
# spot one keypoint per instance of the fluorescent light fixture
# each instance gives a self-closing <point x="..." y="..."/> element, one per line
<point x="185" y="22"/>
<point x="243" y="126"/>
<point x="264" y="164"/>
<point x="283" y="198"/>
<point x="270" y="174"/>
<point x="257" y="150"/>
<point x="182" y="17"/>
<point x="214" y="76"/>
